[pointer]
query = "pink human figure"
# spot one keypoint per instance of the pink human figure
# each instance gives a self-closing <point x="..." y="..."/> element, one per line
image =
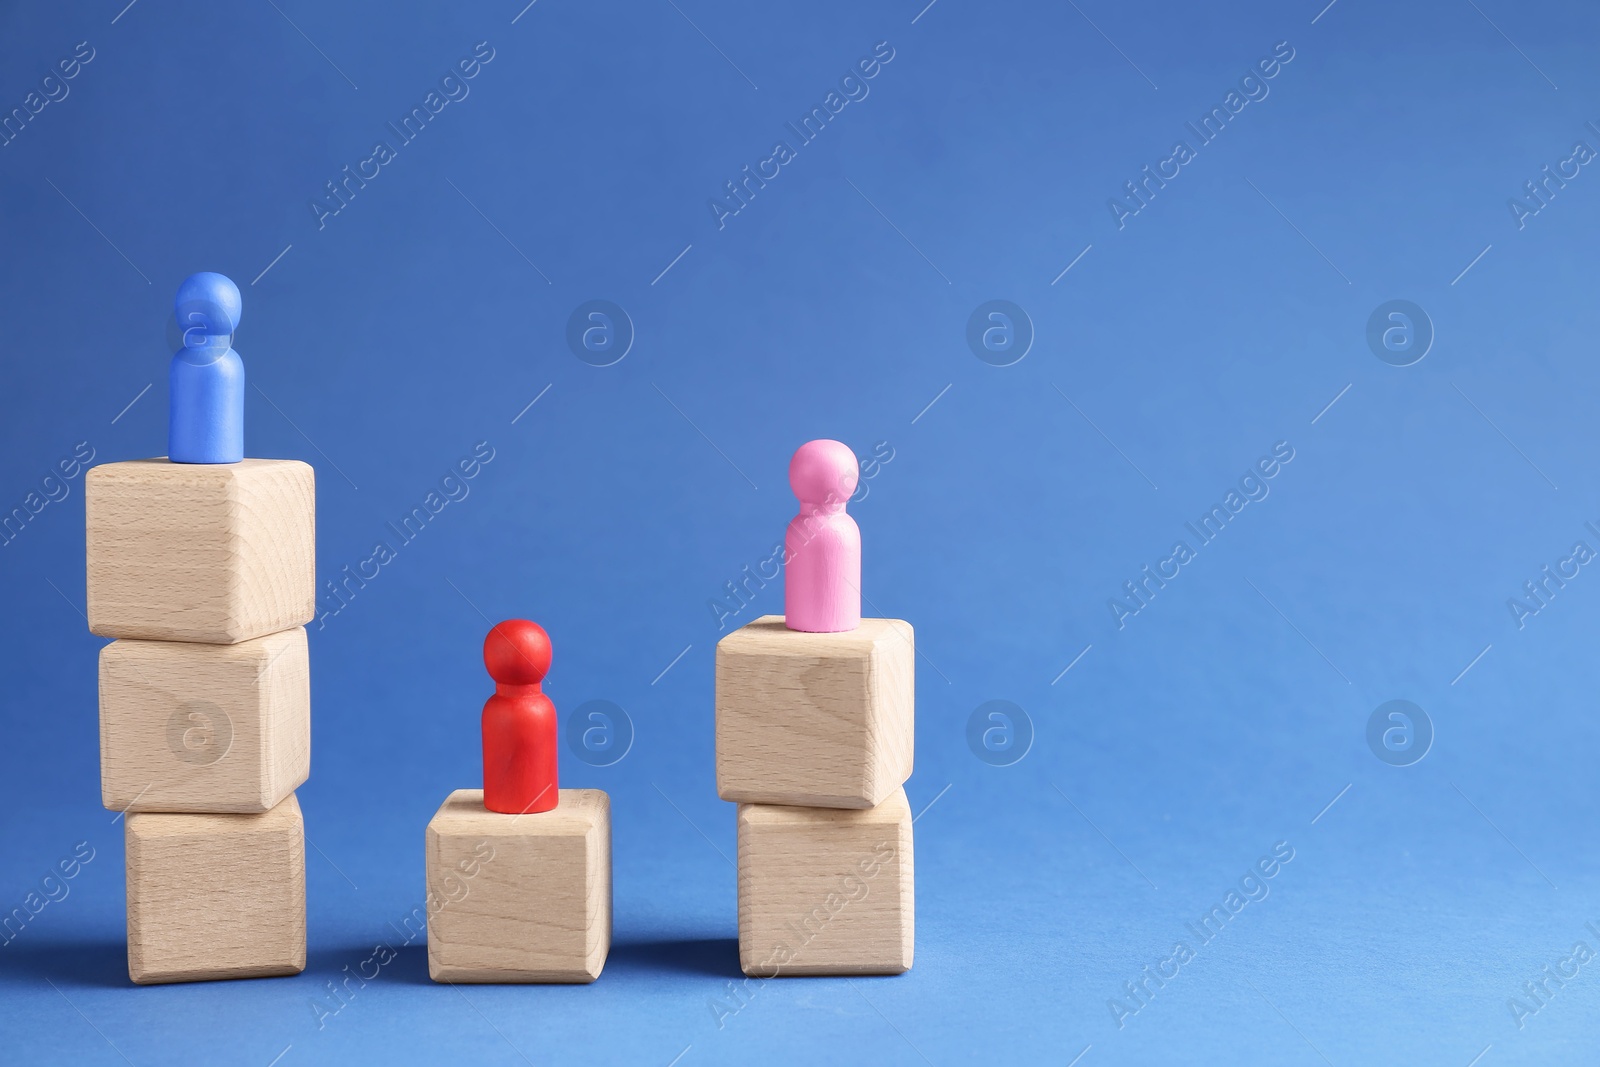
<point x="822" y="548"/>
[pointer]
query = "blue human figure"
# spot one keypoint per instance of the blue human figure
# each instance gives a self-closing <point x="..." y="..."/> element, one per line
<point x="206" y="379"/>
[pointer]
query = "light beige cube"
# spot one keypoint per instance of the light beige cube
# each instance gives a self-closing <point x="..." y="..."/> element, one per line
<point x="519" y="898"/>
<point x="209" y="552"/>
<point x="821" y="720"/>
<point x="204" y="728"/>
<point x="825" y="891"/>
<point x="216" y="896"/>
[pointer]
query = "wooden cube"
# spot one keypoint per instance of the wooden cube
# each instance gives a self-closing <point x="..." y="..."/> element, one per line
<point x="519" y="898"/>
<point x="204" y="728"/>
<point x="208" y="552"/>
<point x="821" y="720"/>
<point x="826" y="891"/>
<point x="216" y="896"/>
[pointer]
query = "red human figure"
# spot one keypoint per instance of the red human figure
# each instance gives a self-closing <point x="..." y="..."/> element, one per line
<point x="519" y="722"/>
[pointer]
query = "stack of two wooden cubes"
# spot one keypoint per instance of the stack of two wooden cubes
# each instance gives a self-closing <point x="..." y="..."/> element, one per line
<point x="205" y="576"/>
<point x="815" y="734"/>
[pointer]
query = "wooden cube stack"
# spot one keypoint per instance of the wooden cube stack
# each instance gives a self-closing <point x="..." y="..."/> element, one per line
<point x="815" y="735"/>
<point x="204" y="574"/>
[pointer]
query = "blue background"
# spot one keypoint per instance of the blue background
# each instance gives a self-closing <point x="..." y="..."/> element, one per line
<point x="1224" y="717"/>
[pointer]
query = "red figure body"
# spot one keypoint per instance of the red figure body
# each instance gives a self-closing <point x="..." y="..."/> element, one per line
<point x="519" y="722"/>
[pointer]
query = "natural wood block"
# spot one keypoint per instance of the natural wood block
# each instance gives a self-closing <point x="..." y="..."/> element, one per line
<point x="817" y="719"/>
<point x="519" y="898"/>
<point x="208" y="552"/>
<point x="825" y="891"/>
<point x="204" y="728"/>
<point x="216" y="896"/>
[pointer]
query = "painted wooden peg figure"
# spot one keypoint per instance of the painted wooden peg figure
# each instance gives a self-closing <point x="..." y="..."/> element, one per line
<point x="519" y="721"/>
<point x="822" y="548"/>
<point x="206" y="378"/>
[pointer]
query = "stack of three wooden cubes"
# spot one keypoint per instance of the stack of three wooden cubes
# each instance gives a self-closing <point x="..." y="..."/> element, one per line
<point x="204" y="573"/>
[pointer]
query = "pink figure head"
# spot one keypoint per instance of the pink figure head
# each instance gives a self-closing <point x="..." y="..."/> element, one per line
<point x="822" y="547"/>
<point x="823" y="474"/>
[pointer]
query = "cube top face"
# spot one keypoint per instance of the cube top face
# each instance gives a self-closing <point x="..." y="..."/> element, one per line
<point x="579" y="813"/>
<point x="519" y="898"/>
<point x="200" y="552"/>
<point x="815" y="719"/>
<point x="216" y="896"/>
<point x="826" y="892"/>
<point x="204" y="728"/>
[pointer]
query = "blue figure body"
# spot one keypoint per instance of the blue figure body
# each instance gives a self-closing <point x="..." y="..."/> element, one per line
<point x="206" y="379"/>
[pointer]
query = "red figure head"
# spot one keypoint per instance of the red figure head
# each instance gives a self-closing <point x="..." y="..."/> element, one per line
<point x="517" y="652"/>
<point x="519" y="721"/>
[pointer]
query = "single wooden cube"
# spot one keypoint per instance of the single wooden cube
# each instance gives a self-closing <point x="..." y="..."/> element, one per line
<point x="204" y="728"/>
<point x="209" y="552"/>
<point x="826" y="891"/>
<point x="519" y="898"/>
<point x="816" y="719"/>
<point x="216" y="896"/>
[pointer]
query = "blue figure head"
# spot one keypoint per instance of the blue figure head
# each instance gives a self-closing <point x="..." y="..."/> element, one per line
<point x="207" y="308"/>
<point x="206" y="380"/>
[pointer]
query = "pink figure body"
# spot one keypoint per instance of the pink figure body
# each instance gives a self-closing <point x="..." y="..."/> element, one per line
<point x="822" y="548"/>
